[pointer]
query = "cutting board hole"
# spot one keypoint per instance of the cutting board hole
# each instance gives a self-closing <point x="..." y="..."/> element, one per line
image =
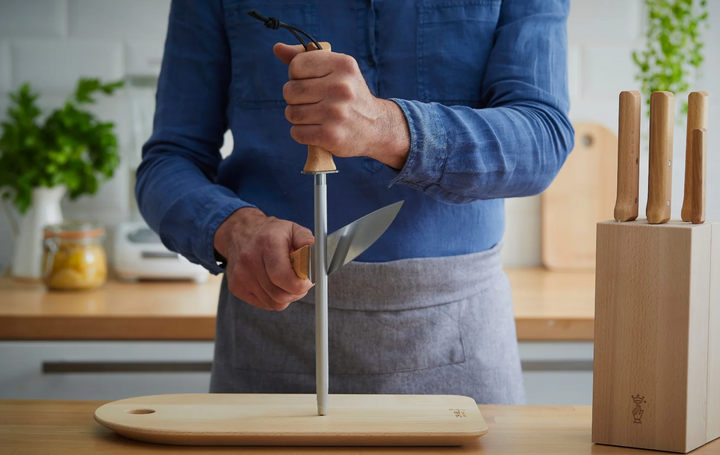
<point x="587" y="140"/>
<point x="140" y="411"/>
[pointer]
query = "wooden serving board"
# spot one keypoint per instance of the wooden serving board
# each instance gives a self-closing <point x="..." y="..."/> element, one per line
<point x="582" y="194"/>
<point x="292" y="420"/>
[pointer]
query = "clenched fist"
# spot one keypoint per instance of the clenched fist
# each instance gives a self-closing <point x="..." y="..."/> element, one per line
<point x="257" y="249"/>
<point x="330" y="105"/>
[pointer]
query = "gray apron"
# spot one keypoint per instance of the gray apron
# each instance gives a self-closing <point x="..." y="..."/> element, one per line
<point x="421" y="326"/>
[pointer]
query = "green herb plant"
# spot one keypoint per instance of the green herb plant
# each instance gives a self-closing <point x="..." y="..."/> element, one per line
<point x="71" y="147"/>
<point x="673" y="50"/>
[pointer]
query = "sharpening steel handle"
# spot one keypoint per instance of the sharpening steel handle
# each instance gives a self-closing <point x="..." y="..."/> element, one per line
<point x="300" y="260"/>
<point x="697" y="118"/>
<point x="698" y="175"/>
<point x="319" y="159"/>
<point x="628" y="171"/>
<point x="662" y="118"/>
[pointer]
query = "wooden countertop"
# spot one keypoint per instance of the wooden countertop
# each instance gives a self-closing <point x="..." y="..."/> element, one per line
<point x="549" y="306"/>
<point x="34" y="427"/>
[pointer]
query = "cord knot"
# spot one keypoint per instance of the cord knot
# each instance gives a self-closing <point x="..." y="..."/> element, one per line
<point x="272" y="23"/>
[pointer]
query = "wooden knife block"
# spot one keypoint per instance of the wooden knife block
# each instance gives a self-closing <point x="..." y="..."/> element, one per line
<point x="657" y="335"/>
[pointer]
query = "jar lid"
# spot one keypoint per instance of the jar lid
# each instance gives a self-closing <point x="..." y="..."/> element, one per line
<point x="74" y="230"/>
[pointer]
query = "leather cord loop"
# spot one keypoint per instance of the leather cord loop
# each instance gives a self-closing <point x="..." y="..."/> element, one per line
<point x="274" y="23"/>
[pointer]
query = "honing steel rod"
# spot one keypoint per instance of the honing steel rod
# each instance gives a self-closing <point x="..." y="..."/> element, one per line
<point x="662" y="117"/>
<point x="698" y="175"/>
<point x="698" y="104"/>
<point x="628" y="171"/>
<point x="320" y="162"/>
<point x="321" y="295"/>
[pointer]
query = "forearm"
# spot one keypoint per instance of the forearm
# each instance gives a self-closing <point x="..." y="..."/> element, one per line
<point x="182" y="205"/>
<point x="458" y="154"/>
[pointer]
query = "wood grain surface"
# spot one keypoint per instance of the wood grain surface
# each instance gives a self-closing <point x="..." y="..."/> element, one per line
<point x="698" y="176"/>
<point x="292" y="420"/>
<point x="697" y="118"/>
<point x="651" y="364"/>
<point x="662" y="122"/>
<point x="548" y="306"/>
<point x="30" y="427"/>
<point x="300" y="262"/>
<point x="628" y="167"/>
<point x="582" y="195"/>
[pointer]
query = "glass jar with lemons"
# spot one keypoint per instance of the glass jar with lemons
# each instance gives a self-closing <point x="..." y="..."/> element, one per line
<point x="74" y="257"/>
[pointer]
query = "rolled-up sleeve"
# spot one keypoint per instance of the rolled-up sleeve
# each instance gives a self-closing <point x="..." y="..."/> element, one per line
<point x="176" y="190"/>
<point x="516" y="144"/>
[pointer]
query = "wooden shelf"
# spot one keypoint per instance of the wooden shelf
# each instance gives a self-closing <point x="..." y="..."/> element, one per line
<point x="550" y="306"/>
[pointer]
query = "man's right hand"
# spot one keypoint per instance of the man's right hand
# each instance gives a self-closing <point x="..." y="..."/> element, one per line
<point x="257" y="249"/>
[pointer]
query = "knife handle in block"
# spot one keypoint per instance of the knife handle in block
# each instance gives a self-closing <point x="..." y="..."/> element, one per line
<point x="628" y="171"/>
<point x="319" y="159"/>
<point x="698" y="103"/>
<point x="698" y="175"/>
<point x="300" y="260"/>
<point x="662" y="117"/>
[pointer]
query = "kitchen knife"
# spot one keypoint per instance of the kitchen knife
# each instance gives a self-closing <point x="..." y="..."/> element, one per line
<point x="662" y="116"/>
<point x="628" y="170"/>
<point x="346" y="243"/>
<point x="698" y="175"/>
<point x="696" y="119"/>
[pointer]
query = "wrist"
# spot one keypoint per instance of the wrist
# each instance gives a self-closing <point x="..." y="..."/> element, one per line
<point x="239" y="219"/>
<point x="395" y="138"/>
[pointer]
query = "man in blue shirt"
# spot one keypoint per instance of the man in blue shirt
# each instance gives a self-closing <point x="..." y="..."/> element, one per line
<point x="450" y="106"/>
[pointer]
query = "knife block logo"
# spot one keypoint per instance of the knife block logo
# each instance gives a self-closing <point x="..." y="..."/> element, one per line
<point x="638" y="411"/>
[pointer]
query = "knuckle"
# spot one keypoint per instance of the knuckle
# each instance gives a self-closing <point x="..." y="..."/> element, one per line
<point x="342" y="90"/>
<point x="337" y="112"/>
<point x="347" y="63"/>
<point x="292" y="115"/>
<point x="331" y="137"/>
<point x="295" y="67"/>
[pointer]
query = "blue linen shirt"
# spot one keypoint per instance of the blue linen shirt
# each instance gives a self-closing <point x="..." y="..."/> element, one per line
<point x="482" y="85"/>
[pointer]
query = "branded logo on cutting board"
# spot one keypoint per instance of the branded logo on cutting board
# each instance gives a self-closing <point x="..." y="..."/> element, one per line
<point x="638" y="411"/>
<point x="458" y="413"/>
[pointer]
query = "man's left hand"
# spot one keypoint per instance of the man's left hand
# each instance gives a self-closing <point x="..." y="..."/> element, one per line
<point x="330" y="105"/>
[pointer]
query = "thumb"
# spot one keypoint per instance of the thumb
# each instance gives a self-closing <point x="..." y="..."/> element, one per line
<point x="301" y="236"/>
<point x="286" y="52"/>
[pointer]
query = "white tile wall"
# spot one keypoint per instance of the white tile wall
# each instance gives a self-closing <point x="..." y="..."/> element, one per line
<point x="58" y="64"/>
<point x="52" y="42"/>
<point x="5" y="74"/>
<point x="607" y="21"/>
<point x="607" y="70"/>
<point x="122" y="19"/>
<point x="143" y="57"/>
<point x="33" y="18"/>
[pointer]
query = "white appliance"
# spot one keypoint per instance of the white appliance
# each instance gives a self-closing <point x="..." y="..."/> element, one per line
<point x="140" y="255"/>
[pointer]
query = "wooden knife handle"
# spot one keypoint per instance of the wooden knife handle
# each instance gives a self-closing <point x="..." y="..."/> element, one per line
<point x="628" y="171"/>
<point x="662" y="117"/>
<point x="319" y="159"/>
<point x="698" y="103"/>
<point x="300" y="260"/>
<point x="698" y="175"/>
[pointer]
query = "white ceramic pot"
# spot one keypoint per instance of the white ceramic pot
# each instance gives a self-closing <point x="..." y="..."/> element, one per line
<point x="45" y="210"/>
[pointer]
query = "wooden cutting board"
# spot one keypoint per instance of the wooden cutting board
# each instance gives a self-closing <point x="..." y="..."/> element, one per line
<point x="582" y="195"/>
<point x="292" y="420"/>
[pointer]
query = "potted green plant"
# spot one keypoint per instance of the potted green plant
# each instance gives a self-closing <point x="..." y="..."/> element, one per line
<point x="673" y="47"/>
<point x="69" y="151"/>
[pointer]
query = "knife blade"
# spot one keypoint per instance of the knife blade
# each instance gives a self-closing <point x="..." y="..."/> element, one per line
<point x="346" y="243"/>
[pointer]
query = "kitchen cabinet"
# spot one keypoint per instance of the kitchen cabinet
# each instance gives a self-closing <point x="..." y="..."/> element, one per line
<point x="554" y="373"/>
<point x="102" y="370"/>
